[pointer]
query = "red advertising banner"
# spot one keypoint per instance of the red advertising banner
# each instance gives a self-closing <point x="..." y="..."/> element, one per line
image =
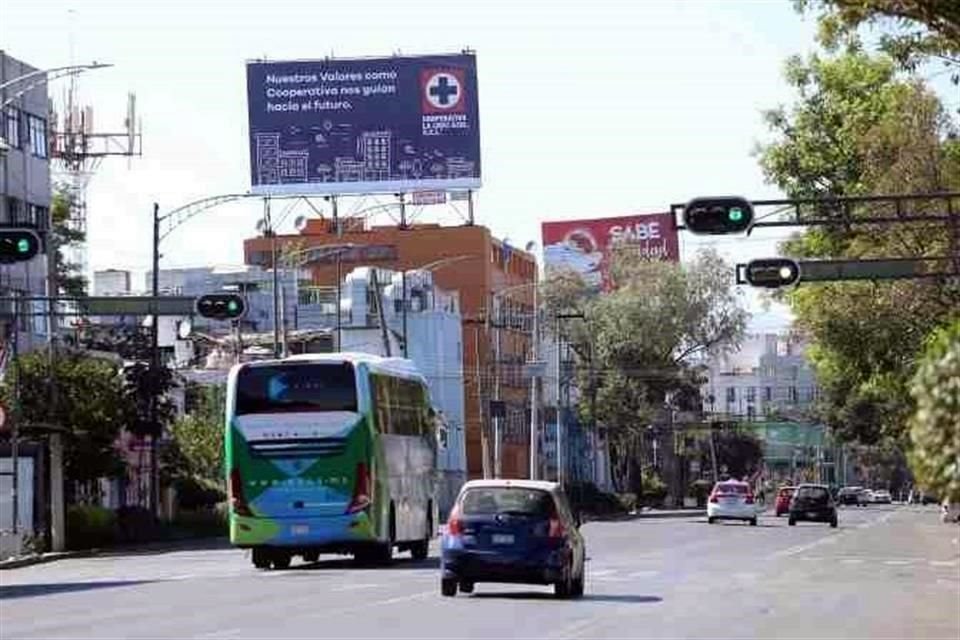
<point x="587" y="246"/>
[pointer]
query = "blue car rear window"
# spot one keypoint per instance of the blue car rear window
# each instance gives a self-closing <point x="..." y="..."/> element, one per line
<point x="495" y="500"/>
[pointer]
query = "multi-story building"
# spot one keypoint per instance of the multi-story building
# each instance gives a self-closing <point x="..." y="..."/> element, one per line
<point x="768" y="377"/>
<point x="467" y="260"/>
<point x="25" y="194"/>
<point x="111" y="282"/>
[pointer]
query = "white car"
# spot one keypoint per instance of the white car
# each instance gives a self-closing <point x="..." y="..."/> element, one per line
<point x="732" y="500"/>
<point x="881" y="496"/>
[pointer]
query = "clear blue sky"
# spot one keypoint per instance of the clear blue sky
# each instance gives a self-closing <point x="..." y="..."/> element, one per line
<point x="588" y="109"/>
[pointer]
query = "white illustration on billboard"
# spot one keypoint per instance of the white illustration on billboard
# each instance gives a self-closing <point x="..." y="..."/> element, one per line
<point x="578" y="251"/>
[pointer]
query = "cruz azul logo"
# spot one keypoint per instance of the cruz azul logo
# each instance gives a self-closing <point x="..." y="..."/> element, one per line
<point x="442" y="91"/>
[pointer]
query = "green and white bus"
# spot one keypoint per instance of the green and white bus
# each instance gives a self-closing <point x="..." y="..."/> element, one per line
<point x="331" y="453"/>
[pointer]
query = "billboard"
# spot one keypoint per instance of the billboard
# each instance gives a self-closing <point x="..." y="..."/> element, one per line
<point x="360" y="126"/>
<point x="587" y="246"/>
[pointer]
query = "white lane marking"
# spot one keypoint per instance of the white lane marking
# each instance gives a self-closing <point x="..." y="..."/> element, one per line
<point x="954" y="541"/>
<point x="897" y="563"/>
<point x="354" y="587"/>
<point x="945" y="563"/>
<point x="594" y="574"/>
<point x="852" y="561"/>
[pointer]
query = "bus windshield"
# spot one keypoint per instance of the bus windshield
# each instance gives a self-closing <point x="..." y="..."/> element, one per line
<point x="286" y="388"/>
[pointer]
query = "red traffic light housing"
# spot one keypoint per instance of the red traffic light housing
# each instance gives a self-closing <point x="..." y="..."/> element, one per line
<point x="718" y="216"/>
<point x="222" y="306"/>
<point x="18" y="245"/>
<point x="772" y="273"/>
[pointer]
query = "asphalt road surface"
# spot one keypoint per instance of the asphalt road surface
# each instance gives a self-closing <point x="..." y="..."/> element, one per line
<point x="886" y="572"/>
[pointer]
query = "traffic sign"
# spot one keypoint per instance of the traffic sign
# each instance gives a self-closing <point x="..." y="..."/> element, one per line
<point x="420" y="198"/>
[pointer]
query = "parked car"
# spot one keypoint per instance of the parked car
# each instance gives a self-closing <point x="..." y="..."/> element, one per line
<point x="514" y="531"/>
<point x="882" y="496"/>
<point x="782" y="505"/>
<point x="813" y="503"/>
<point x="732" y="500"/>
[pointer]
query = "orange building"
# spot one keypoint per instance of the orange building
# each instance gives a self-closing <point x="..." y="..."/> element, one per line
<point x="469" y="260"/>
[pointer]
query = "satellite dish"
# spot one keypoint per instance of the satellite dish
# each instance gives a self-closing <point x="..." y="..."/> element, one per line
<point x="530" y="246"/>
<point x="260" y="224"/>
<point x="300" y="222"/>
<point x="184" y="328"/>
<point x="147" y="322"/>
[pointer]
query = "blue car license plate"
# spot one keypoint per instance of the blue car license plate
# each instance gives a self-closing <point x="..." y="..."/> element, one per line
<point x="502" y="538"/>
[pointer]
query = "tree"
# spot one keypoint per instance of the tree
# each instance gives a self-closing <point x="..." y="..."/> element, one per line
<point x="638" y="342"/>
<point x="64" y="235"/>
<point x="741" y="453"/>
<point x="935" y="425"/>
<point x="87" y="405"/>
<point x="859" y="128"/>
<point x="914" y="30"/>
<point x="199" y="434"/>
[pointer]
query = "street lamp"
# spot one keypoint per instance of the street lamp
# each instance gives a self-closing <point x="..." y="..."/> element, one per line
<point x="430" y="266"/>
<point x="312" y="254"/>
<point x="41" y="76"/>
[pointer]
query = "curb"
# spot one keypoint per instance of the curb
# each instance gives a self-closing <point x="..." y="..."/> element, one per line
<point x="44" y="558"/>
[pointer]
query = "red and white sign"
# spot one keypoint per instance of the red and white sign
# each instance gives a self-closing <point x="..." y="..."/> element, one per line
<point x="587" y="246"/>
<point x="442" y="91"/>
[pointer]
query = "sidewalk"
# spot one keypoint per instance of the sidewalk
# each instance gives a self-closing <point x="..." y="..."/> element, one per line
<point x="648" y="513"/>
<point x="164" y="546"/>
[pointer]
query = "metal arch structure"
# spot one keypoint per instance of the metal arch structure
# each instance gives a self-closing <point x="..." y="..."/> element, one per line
<point x="47" y="75"/>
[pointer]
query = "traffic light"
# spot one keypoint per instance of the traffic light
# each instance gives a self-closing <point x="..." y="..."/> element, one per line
<point x="222" y="306"/>
<point x="718" y="216"/>
<point x="772" y="273"/>
<point x="18" y="245"/>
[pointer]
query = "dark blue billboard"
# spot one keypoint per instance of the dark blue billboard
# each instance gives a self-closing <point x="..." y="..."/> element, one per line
<point x="354" y="126"/>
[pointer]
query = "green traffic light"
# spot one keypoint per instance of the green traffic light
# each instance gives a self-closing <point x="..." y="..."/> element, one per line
<point x="23" y="245"/>
<point x="735" y="214"/>
<point x="232" y="306"/>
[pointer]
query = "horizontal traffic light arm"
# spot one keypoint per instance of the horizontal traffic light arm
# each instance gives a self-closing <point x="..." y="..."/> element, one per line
<point x="844" y="211"/>
<point x="867" y="269"/>
<point x="107" y="305"/>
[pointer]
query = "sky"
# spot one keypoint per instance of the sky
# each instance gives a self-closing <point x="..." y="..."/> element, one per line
<point x="587" y="109"/>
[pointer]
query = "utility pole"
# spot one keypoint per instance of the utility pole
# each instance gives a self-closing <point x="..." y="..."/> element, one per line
<point x="534" y="418"/>
<point x="403" y="277"/>
<point x="55" y="439"/>
<point x="497" y="435"/>
<point x="155" y="365"/>
<point x="339" y="231"/>
<point x="560" y="460"/>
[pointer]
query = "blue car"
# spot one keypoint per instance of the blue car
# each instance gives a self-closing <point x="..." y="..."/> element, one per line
<point x="513" y="531"/>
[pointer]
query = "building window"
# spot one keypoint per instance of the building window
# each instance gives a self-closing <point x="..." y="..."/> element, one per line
<point x="37" y="131"/>
<point x="731" y="394"/>
<point x="768" y="394"/>
<point x="751" y="394"/>
<point x="793" y="395"/>
<point x="11" y="127"/>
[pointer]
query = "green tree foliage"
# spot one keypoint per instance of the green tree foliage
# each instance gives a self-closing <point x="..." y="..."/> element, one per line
<point x="859" y="128"/>
<point x="935" y="425"/>
<point x="912" y="30"/>
<point x="87" y="403"/>
<point x="199" y="434"/>
<point x="69" y="279"/>
<point x="637" y="344"/>
<point x="741" y="453"/>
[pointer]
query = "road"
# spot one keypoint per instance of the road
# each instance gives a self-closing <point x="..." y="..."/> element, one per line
<point x="886" y="572"/>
